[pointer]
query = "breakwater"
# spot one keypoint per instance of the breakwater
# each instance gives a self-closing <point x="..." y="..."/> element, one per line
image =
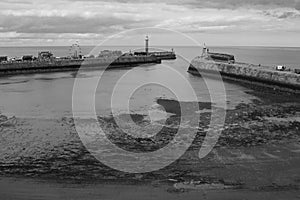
<point x="56" y="65"/>
<point x="163" y="55"/>
<point x="247" y="72"/>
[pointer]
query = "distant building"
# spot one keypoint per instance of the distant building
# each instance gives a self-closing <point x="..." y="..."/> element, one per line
<point x="15" y="59"/>
<point x="3" y="58"/>
<point x="280" y="68"/>
<point x="27" y="58"/>
<point x="75" y="51"/>
<point x="88" y="56"/>
<point x="45" y="56"/>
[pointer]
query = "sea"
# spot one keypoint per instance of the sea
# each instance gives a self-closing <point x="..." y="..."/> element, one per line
<point x="127" y="90"/>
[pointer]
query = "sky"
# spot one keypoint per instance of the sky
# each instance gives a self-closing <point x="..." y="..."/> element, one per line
<point x="215" y="22"/>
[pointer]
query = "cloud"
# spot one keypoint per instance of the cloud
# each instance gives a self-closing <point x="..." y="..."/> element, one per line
<point x="219" y="4"/>
<point x="282" y="14"/>
<point x="245" y="3"/>
<point x="16" y="2"/>
<point x="288" y="15"/>
<point x="68" y="24"/>
<point x="62" y="19"/>
<point x="297" y="5"/>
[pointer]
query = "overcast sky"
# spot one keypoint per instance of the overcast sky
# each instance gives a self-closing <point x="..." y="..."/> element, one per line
<point x="216" y="22"/>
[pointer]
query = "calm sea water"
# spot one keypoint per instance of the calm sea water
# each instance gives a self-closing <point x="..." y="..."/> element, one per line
<point x="49" y="95"/>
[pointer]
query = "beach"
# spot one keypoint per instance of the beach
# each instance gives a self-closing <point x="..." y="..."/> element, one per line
<point x="257" y="155"/>
<point x="43" y="157"/>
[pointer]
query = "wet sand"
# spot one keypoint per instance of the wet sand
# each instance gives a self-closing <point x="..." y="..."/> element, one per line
<point x="256" y="157"/>
<point x="15" y="188"/>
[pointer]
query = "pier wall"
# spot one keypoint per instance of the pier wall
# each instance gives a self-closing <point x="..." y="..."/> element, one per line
<point x="71" y="65"/>
<point x="248" y="72"/>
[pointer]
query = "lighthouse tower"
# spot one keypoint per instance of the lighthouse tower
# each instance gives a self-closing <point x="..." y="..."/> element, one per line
<point x="147" y="44"/>
<point x="204" y="51"/>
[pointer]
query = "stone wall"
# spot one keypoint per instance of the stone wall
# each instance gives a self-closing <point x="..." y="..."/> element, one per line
<point x="67" y="65"/>
<point x="248" y="72"/>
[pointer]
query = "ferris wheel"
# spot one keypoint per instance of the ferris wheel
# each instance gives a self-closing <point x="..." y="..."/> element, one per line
<point x="75" y="50"/>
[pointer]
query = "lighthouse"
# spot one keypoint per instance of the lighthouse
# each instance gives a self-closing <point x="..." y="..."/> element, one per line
<point x="204" y="51"/>
<point x="147" y="44"/>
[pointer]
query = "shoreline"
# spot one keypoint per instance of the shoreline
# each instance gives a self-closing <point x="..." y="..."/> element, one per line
<point x="253" y="133"/>
<point x="22" y="188"/>
<point x="256" y="156"/>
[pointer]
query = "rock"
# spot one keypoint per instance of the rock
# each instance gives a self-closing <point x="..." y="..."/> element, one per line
<point x="198" y="185"/>
<point x="8" y="121"/>
<point x="3" y="118"/>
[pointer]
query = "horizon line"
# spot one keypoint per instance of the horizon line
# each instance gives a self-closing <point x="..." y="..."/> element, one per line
<point x="154" y="46"/>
